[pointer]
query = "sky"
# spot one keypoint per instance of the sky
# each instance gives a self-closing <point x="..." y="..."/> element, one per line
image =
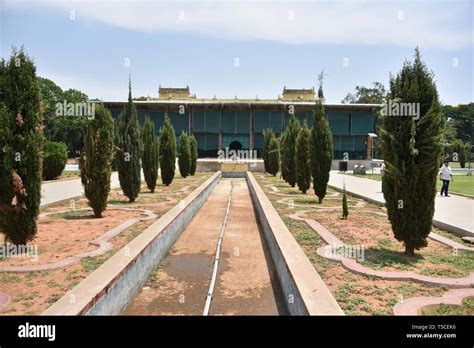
<point x="240" y="48"/>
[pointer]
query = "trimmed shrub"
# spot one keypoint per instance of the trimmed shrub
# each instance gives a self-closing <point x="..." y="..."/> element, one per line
<point x="273" y="156"/>
<point x="151" y="156"/>
<point x="54" y="159"/>
<point x="96" y="159"/>
<point x="194" y="154"/>
<point x="184" y="156"/>
<point x="167" y="152"/>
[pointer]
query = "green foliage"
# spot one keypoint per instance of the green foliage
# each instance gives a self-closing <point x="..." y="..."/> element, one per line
<point x="96" y="159"/>
<point x="412" y="149"/>
<point x="167" y="152"/>
<point x="303" y="166"/>
<point x="129" y="143"/>
<point x="184" y="155"/>
<point x="194" y="154"/>
<point x="345" y="208"/>
<point x="268" y="135"/>
<point x="460" y="148"/>
<point x="288" y="151"/>
<point x="460" y="118"/>
<point x="273" y="156"/>
<point x="21" y="141"/>
<point x="54" y="159"/>
<point x="320" y="151"/>
<point x="151" y="156"/>
<point x="67" y="129"/>
<point x="367" y="95"/>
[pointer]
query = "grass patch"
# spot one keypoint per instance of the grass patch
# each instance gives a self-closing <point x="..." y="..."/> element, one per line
<point x="467" y="308"/>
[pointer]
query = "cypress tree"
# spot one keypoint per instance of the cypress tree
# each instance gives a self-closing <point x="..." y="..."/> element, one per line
<point x="150" y="158"/>
<point x="289" y="150"/>
<point x="320" y="151"/>
<point x="273" y="155"/>
<point x="412" y="148"/>
<point x="96" y="159"/>
<point x="21" y="144"/>
<point x="345" y="208"/>
<point x="461" y="149"/>
<point x="194" y="154"/>
<point x="303" y="166"/>
<point x="167" y="151"/>
<point x="267" y="137"/>
<point x="130" y="148"/>
<point x="284" y="158"/>
<point x="184" y="156"/>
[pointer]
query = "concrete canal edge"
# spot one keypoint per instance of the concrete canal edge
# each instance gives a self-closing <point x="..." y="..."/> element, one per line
<point x="304" y="290"/>
<point x="109" y="289"/>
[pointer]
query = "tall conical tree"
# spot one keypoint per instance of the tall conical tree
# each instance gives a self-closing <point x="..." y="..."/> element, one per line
<point x="289" y="150"/>
<point x="303" y="166"/>
<point x="184" y="156"/>
<point x="273" y="155"/>
<point x="96" y="159"/>
<point x="283" y="156"/>
<point x="194" y="154"/>
<point x="21" y="143"/>
<point x="130" y="149"/>
<point x="411" y="148"/>
<point x="167" y="151"/>
<point x="267" y="137"/>
<point x="151" y="156"/>
<point x="320" y="151"/>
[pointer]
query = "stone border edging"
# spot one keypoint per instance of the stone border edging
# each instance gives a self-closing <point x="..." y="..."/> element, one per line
<point x="102" y="242"/>
<point x="352" y="264"/>
<point x="412" y="305"/>
<point x="297" y="276"/>
<point x="109" y="289"/>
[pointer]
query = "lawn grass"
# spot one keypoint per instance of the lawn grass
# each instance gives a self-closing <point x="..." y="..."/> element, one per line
<point x="467" y="308"/>
<point x="462" y="184"/>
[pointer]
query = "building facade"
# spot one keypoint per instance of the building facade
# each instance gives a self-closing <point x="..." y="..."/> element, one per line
<point x="239" y="123"/>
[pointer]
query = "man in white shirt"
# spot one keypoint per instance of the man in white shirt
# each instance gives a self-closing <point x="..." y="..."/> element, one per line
<point x="445" y="174"/>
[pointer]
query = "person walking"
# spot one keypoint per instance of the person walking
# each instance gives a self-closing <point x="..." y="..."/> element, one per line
<point x="446" y="175"/>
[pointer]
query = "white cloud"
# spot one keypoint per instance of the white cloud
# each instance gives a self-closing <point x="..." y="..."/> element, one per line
<point x="429" y="24"/>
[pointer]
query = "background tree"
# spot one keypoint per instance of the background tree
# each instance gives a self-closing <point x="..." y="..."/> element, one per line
<point x="21" y="141"/>
<point x="184" y="156"/>
<point x="273" y="155"/>
<point x="320" y="151"/>
<point x="54" y="159"/>
<point x="167" y="151"/>
<point x="194" y="154"/>
<point x="412" y="149"/>
<point x="151" y="156"/>
<point x="460" y="148"/>
<point x="288" y="150"/>
<point x="367" y="95"/>
<point x="303" y="167"/>
<point x="96" y="159"/>
<point x="461" y="118"/>
<point x="130" y="148"/>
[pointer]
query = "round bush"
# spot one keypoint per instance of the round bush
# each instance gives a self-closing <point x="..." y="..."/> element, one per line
<point x="54" y="159"/>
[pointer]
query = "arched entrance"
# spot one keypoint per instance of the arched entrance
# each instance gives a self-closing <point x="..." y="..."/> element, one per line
<point x="235" y="145"/>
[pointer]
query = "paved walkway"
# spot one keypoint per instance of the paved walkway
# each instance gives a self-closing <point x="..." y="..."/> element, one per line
<point x="55" y="191"/>
<point x="455" y="213"/>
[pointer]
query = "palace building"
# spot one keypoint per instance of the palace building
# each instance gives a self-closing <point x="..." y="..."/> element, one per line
<point x="237" y="123"/>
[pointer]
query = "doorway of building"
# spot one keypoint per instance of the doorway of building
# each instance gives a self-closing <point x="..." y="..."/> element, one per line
<point x="235" y="145"/>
